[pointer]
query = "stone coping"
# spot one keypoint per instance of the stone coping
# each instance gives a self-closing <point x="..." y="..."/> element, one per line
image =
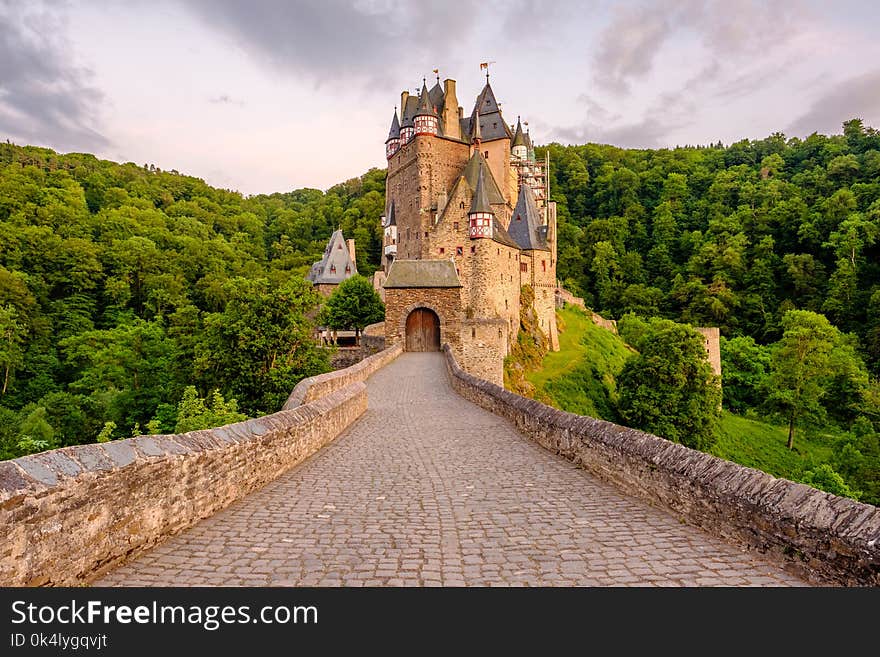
<point x="315" y="387"/>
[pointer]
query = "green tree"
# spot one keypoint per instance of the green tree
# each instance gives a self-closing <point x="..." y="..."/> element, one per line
<point x="745" y="367"/>
<point x="195" y="413"/>
<point x="801" y="366"/>
<point x="262" y="343"/>
<point x="669" y="388"/>
<point x="354" y="304"/>
<point x="12" y="337"/>
<point x="35" y="432"/>
<point x="824" y="477"/>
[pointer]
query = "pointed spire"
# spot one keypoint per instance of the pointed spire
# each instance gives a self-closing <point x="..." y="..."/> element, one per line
<point x="476" y="138"/>
<point x="394" y="133"/>
<point x="518" y="137"/>
<point x="425" y="106"/>
<point x="480" y="202"/>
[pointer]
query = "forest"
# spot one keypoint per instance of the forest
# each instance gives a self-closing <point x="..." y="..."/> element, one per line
<point x="133" y="299"/>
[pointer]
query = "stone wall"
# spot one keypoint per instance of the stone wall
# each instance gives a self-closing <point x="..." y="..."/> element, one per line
<point x="373" y="339"/>
<point x="69" y="514"/>
<point x="316" y="387"/>
<point x="827" y="538"/>
<point x="483" y="346"/>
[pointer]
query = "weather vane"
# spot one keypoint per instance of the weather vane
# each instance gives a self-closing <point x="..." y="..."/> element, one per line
<point x="485" y="65"/>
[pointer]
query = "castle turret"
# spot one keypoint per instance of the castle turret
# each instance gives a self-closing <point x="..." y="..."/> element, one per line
<point x="480" y="216"/>
<point x="520" y="147"/>
<point x="407" y="128"/>
<point x="425" y="120"/>
<point x="392" y="144"/>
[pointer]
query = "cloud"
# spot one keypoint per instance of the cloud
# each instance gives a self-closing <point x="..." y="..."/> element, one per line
<point x="628" y="44"/>
<point x="338" y="41"/>
<point x="732" y="33"/>
<point x="226" y="99"/>
<point x="856" y="97"/>
<point x="44" y="98"/>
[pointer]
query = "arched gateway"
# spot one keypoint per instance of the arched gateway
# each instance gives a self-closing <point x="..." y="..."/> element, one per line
<point x="422" y="330"/>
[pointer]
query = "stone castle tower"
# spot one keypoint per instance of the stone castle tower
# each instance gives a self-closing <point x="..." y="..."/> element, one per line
<point x="468" y="223"/>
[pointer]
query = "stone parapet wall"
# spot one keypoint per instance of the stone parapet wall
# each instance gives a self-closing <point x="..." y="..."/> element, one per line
<point x="827" y="538"/>
<point x="373" y="339"/>
<point x="69" y="514"/>
<point x="321" y="385"/>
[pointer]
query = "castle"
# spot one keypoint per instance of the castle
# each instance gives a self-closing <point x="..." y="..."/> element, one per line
<point x="468" y="225"/>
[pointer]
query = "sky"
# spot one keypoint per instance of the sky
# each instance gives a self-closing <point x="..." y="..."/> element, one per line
<point x="263" y="96"/>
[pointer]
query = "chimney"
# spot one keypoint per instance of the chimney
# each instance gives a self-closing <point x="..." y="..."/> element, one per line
<point x="403" y="96"/>
<point x="350" y="244"/>
<point x="451" y="126"/>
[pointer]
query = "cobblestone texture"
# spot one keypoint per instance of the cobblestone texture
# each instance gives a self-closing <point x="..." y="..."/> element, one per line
<point x="427" y="489"/>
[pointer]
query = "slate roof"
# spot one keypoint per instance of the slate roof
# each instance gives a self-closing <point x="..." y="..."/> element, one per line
<point x="394" y="133"/>
<point x="472" y="171"/>
<point x="422" y="273"/>
<point x="492" y="125"/>
<point x="519" y="138"/>
<point x="409" y="111"/>
<point x="425" y="107"/>
<point x="525" y="223"/>
<point x="332" y="267"/>
<point x="480" y="202"/>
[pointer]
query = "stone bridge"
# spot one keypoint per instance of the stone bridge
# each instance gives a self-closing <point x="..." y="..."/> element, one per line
<point x="435" y="478"/>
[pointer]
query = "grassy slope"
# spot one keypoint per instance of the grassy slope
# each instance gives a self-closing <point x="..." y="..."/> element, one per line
<point x="580" y="378"/>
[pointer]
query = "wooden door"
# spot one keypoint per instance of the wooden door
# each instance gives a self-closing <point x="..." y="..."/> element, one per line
<point x="422" y="330"/>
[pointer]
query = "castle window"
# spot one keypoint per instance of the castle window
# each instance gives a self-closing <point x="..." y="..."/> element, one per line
<point x="339" y="247"/>
<point x="473" y="332"/>
<point x="518" y="218"/>
<point x="499" y="333"/>
<point x="426" y="234"/>
<point x="442" y="250"/>
<point x="454" y="225"/>
<point x="486" y="155"/>
<point x="495" y="124"/>
<point x="524" y="266"/>
<point x="459" y="250"/>
<point x="473" y="249"/>
<point x="544" y="265"/>
<point x="461" y="205"/>
<point x="505" y="304"/>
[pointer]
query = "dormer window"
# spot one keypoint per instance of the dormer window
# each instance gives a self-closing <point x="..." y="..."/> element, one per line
<point x="347" y="269"/>
<point x="332" y="269"/>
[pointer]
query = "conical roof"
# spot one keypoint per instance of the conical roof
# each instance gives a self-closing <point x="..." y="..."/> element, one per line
<point x="480" y="202"/>
<point x="408" y="112"/>
<point x="425" y="108"/>
<point x="394" y="133"/>
<point x="525" y="224"/>
<point x="519" y="138"/>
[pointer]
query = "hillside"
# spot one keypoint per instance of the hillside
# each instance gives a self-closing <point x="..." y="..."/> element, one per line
<point x="581" y="378"/>
<point x="727" y="236"/>
<point x="120" y="285"/>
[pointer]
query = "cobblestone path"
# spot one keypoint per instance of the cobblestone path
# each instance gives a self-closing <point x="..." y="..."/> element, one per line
<point x="429" y="489"/>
